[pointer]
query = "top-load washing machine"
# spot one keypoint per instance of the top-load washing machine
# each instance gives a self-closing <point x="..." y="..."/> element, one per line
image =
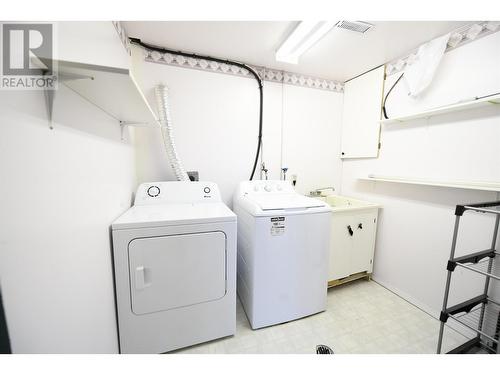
<point x="175" y="267"/>
<point x="283" y="247"/>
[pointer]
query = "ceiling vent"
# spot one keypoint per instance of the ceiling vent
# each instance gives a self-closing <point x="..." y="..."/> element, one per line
<point x="356" y="26"/>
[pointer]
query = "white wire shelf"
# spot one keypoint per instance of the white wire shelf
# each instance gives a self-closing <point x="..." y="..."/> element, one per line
<point x="482" y="322"/>
<point x="460" y="106"/>
<point x="483" y="267"/>
<point x="495" y="210"/>
<point x="469" y="185"/>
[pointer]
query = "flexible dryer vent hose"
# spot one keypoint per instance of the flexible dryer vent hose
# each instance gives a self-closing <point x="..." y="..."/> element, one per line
<point x="250" y="69"/>
<point x="167" y="132"/>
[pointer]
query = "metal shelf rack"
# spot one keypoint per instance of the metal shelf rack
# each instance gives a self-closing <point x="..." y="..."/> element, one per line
<point x="475" y="314"/>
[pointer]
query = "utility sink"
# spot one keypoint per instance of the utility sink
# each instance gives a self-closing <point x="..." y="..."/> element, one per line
<point x="341" y="203"/>
<point x="352" y="242"/>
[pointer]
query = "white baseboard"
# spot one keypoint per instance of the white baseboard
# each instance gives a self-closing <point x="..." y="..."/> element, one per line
<point x="408" y="298"/>
<point x="428" y="310"/>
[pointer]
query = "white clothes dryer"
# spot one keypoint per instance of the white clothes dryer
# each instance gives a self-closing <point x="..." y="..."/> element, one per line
<point x="175" y="267"/>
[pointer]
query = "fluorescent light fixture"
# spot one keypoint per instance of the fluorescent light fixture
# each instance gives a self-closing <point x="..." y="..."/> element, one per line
<point x="305" y="35"/>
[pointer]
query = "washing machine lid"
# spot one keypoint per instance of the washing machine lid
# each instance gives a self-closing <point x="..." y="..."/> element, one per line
<point x="268" y="202"/>
<point x="173" y="214"/>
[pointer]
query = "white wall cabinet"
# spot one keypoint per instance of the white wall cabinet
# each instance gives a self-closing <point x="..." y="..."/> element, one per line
<point x="352" y="242"/>
<point x="361" y="115"/>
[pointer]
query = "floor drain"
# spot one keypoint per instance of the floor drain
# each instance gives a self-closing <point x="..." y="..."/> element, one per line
<point x="323" y="349"/>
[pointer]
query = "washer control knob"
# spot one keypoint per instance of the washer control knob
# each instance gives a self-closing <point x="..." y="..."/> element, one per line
<point x="268" y="188"/>
<point x="279" y="187"/>
<point x="256" y="188"/>
<point x="206" y="190"/>
<point x="153" y="191"/>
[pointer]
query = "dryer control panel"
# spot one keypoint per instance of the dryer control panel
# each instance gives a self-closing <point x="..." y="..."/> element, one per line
<point x="164" y="192"/>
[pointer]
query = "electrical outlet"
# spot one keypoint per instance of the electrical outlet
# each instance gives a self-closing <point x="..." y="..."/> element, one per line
<point x="193" y="175"/>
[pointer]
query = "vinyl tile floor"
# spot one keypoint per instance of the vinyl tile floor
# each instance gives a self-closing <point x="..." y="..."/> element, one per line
<point x="362" y="317"/>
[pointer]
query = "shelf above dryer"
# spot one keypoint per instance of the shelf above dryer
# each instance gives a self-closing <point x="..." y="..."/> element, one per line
<point x="460" y="106"/>
<point x="113" y="90"/>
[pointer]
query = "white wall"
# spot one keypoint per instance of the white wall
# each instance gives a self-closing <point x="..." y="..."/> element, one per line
<point x="90" y="42"/>
<point x="311" y="137"/>
<point x="416" y="223"/>
<point x="60" y="191"/>
<point x="215" y="120"/>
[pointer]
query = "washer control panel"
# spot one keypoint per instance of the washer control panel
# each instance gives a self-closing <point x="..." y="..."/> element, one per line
<point x="177" y="192"/>
<point x="267" y="186"/>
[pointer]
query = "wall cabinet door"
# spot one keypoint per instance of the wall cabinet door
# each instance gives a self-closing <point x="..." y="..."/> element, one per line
<point x="361" y="115"/>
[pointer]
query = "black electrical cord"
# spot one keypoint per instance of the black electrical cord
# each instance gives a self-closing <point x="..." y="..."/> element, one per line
<point x="388" y="92"/>
<point x="486" y="96"/>
<point x="222" y="61"/>
<point x="401" y="76"/>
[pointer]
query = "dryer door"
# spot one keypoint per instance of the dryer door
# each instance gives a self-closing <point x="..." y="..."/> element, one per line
<point x="169" y="272"/>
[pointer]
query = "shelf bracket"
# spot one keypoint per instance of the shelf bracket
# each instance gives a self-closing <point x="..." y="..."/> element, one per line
<point x="123" y="124"/>
<point x="49" y="94"/>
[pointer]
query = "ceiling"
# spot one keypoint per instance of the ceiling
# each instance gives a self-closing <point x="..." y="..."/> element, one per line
<point x="340" y="55"/>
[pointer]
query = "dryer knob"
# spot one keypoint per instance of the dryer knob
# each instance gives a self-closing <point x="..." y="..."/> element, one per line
<point x="256" y="188"/>
<point x="268" y="188"/>
<point x="153" y="191"/>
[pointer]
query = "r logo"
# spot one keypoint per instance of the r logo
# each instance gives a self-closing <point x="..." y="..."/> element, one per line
<point x="24" y="42"/>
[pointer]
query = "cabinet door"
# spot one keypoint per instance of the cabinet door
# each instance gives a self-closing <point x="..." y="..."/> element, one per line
<point x="341" y="247"/>
<point x="361" y="115"/>
<point x="363" y="225"/>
